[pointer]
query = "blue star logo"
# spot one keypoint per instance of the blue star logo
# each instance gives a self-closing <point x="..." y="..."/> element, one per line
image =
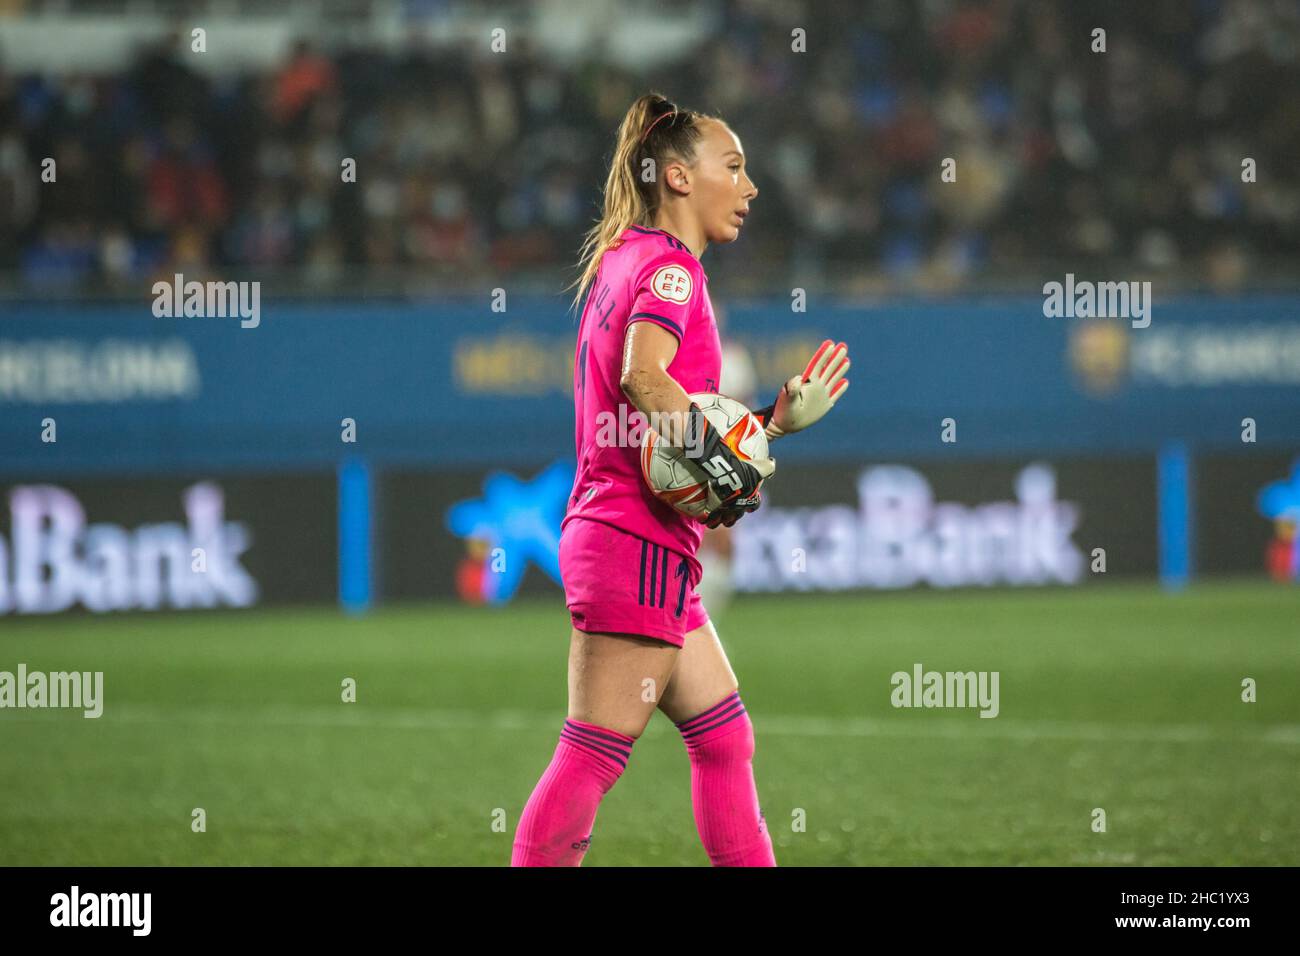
<point x="520" y="517"/>
<point x="1280" y="500"/>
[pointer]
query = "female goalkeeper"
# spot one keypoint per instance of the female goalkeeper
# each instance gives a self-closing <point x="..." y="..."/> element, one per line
<point x="641" y="639"/>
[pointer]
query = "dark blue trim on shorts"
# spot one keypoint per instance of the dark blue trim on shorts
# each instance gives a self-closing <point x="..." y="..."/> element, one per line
<point x="663" y="579"/>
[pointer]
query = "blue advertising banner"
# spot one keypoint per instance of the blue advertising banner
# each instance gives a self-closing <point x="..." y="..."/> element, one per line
<point x="114" y="389"/>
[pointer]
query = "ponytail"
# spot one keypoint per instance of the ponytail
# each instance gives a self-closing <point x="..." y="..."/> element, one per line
<point x="653" y="129"/>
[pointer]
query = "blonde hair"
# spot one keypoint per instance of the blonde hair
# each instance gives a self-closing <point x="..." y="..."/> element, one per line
<point x="654" y="128"/>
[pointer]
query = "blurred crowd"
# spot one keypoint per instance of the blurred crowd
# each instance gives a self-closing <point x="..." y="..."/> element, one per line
<point x="473" y="165"/>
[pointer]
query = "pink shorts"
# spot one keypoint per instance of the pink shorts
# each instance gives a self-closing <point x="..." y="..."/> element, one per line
<point x="618" y="583"/>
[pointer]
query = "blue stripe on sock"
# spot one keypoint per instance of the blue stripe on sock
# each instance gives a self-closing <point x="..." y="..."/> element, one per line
<point x="618" y="742"/>
<point x="722" y="719"/>
<point x="593" y="747"/>
<point x="734" y="695"/>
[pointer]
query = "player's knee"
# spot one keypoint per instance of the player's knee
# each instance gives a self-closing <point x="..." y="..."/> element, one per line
<point x="724" y="737"/>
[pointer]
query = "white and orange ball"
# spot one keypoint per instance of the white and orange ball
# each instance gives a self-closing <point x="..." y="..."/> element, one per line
<point x="679" y="480"/>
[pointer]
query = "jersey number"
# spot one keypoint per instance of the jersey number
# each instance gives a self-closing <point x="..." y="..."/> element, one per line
<point x="603" y="306"/>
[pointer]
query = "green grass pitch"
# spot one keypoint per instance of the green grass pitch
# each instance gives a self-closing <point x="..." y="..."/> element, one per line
<point x="1115" y="696"/>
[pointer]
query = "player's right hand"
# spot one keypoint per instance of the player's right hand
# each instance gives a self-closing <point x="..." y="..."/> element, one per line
<point x="733" y="488"/>
<point x="725" y="517"/>
<point x="728" y="514"/>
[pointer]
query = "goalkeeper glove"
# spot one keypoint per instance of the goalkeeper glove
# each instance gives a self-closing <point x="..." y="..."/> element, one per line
<point x="733" y="482"/>
<point x="804" y="399"/>
<point x="723" y="516"/>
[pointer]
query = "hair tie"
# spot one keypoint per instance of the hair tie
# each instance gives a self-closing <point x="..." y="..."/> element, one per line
<point x="657" y="119"/>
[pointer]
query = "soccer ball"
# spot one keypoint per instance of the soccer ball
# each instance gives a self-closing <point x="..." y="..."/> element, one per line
<point x="682" y="482"/>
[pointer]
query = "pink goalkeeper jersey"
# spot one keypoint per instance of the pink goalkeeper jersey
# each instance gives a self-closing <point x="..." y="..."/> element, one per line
<point x="647" y="275"/>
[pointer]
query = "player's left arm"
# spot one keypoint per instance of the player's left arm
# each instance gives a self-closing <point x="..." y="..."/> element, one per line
<point x="804" y="399"/>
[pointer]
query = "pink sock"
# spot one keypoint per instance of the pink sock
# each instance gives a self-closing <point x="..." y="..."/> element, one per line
<point x="555" y="828"/>
<point x="720" y="743"/>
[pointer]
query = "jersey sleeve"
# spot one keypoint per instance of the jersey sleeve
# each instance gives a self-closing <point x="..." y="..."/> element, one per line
<point x="668" y="291"/>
